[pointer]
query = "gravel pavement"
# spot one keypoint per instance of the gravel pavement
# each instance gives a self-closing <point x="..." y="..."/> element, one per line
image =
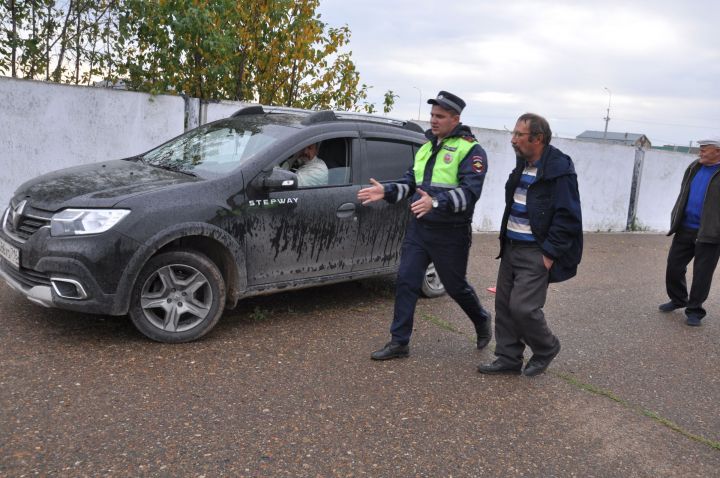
<point x="284" y="386"/>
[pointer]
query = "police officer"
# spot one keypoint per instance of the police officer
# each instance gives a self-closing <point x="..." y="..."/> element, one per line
<point x="443" y="185"/>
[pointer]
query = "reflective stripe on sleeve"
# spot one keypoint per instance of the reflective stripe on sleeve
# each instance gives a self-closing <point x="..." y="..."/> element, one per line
<point x="443" y="185"/>
<point x="403" y="190"/>
<point x="463" y="199"/>
<point x="455" y="199"/>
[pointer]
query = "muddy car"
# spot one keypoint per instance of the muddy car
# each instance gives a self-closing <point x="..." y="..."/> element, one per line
<point x="174" y="236"/>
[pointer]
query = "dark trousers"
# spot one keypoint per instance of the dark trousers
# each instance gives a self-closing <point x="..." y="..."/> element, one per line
<point x="448" y="248"/>
<point x="685" y="248"/>
<point x="521" y="292"/>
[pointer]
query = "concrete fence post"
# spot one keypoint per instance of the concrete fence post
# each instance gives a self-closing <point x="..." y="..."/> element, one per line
<point x="192" y="112"/>
<point x="202" y="118"/>
<point x="635" y="189"/>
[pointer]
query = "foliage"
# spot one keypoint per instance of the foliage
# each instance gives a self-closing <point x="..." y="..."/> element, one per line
<point x="275" y="52"/>
<point x="56" y="41"/>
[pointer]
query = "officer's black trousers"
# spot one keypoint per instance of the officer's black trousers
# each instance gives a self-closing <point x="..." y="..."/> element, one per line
<point x="448" y="248"/>
<point x="685" y="248"/>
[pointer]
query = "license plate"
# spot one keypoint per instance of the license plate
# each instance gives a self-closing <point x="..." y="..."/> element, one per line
<point x="10" y="253"/>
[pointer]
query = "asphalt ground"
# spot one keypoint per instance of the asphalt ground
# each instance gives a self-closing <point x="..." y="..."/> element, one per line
<point x="284" y="386"/>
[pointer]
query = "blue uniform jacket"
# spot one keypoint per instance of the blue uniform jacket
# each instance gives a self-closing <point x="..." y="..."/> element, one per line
<point x="455" y="206"/>
<point x="553" y="203"/>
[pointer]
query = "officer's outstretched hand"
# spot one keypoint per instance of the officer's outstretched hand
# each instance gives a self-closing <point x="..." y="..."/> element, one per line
<point x="373" y="193"/>
<point x="423" y="205"/>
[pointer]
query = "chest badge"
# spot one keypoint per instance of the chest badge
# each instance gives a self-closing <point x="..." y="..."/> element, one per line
<point x="448" y="158"/>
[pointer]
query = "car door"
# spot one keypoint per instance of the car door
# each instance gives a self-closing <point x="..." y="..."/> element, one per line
<point x="308" y="232"/>
<point x="382" y="225"/>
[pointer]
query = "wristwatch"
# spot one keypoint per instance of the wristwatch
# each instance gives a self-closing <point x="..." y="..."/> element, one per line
<point x="434" y="202"/>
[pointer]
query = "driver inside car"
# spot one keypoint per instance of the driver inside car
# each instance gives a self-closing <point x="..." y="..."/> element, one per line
<point x="311" y="170"/>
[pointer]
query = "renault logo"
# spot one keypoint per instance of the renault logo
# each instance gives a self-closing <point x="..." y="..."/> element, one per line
<point x="17" y="213"/>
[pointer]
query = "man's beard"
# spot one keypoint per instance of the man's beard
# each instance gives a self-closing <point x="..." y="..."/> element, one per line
<point x="519" y="154"/>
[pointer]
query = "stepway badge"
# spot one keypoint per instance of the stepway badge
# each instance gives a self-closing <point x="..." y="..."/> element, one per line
<point x="272" y="202"/>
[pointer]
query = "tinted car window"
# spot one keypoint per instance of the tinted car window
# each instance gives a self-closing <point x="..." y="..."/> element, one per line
<point x="388" y="160"/>
<point x="336" y="154"/>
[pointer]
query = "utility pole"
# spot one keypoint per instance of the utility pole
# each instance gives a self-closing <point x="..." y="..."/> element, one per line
<point x="419" y="99"/>
<point x="607" y="116"/>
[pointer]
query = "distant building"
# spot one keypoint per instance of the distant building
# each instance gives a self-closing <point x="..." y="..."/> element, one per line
<point x="117" y="85"/>
<point x="629" y="139"/>
<point x="679" y="149"/>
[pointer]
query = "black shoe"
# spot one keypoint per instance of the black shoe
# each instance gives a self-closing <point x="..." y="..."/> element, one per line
<point x="537" y="365"/>
<point x="484" y="334"/>
<point x="669" y="306"/>
<point x="499" y="367"/>
<point x="391" y="350"/>
<point x="693" y="320"/>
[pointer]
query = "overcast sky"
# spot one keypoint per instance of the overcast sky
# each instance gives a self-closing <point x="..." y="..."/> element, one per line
<point x="660" y="60"/>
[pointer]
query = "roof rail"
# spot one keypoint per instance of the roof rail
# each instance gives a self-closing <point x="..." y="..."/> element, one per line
<point x="287" y="109"/>
<point x="321" y="116"/>
<point x="409" y="125"/>
<point x="249" y="110"/>
<point x="413" y="127"/>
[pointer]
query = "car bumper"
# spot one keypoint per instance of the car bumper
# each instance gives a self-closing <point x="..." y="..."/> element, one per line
<point x="68" y="275"/>
<point x="39" y="294"/>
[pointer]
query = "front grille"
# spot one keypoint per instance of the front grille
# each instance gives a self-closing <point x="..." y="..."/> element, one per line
<point x="26" y="277"/>
<point x="22" y="220"/>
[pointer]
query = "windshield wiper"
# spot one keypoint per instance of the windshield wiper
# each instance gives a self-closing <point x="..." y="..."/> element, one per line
<point x="173" y="169"/>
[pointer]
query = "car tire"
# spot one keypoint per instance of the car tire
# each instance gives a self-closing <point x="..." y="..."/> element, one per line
<point x="178" y="297"/>
<point x="432" y="286"/>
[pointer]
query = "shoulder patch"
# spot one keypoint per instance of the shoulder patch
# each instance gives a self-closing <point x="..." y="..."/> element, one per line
<point x="478" y="164"/>
<point x="469" y="139"/>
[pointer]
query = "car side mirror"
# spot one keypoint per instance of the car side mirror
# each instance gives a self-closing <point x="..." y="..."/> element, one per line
<point x="280" y="178"/>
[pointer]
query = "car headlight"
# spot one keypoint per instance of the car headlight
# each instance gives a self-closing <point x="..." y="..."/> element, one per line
<point x="72" y="222"/>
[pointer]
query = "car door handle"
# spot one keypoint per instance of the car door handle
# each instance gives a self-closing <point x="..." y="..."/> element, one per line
<point x="346" y="210"/>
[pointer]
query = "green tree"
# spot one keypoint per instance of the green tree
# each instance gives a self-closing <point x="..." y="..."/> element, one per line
<point x="274" y="52"/>
<point x="55" y="40"/>
<point x="389" y="101"/>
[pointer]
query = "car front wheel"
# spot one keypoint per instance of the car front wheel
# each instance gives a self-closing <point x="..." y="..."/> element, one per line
<point x="432" y="286"/>
<point x="178" y="297"/>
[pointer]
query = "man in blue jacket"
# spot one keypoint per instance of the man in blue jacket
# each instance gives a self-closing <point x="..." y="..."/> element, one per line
<point x="540" y="242"/>
<point x="695" y="223"/>
<point x="443" y="185"/>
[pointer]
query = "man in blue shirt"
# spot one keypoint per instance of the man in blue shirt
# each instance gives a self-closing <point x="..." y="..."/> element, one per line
<point x="695" y="221"/>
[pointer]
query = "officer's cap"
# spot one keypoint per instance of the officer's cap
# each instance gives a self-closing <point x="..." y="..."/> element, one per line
<point x="448" y="101"/>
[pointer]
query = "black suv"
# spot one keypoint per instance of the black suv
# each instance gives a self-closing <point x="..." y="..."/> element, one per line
<point x="174" y="236"/>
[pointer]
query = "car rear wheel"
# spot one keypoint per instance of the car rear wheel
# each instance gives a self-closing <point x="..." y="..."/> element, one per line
<point x="178" y="297"/>
<point x="432" y="286"/>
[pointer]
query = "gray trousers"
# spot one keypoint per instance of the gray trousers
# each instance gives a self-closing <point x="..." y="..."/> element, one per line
<point x="519" y="300"/>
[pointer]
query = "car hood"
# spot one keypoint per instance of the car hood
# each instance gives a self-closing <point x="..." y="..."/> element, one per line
<point x="97" y="185"/>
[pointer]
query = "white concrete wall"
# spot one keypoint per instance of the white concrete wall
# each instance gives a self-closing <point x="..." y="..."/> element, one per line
<point x="48" y="126"/>
<point x="604" y="180"/>
<point x="659" y="187"/>
<point x="222" y="109"/>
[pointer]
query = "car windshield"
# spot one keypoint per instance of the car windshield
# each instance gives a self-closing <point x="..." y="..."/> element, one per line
<point x="216" y="149"/>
